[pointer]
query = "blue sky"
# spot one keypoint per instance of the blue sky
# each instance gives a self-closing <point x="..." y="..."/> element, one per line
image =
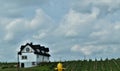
<point x="72" y="29"/>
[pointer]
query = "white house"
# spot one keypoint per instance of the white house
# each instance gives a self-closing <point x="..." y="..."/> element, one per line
<point x="31" y="55"/>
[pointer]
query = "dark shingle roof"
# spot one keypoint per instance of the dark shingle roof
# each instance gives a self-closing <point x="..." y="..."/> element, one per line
<point x="37" y="49"/>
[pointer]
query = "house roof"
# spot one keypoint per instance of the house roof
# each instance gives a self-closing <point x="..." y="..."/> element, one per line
<point x="37" y="49"/>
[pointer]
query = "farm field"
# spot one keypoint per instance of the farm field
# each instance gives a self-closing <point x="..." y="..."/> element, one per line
<point x="85" y="65"/>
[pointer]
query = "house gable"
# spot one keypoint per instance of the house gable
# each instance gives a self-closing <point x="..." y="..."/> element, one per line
<point x="27" y="49"/>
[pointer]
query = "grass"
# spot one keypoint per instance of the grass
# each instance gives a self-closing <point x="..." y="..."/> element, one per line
<point x="86" y="65"/>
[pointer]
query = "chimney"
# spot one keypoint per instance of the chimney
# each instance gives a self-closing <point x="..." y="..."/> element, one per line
<point x="31" y="43"/>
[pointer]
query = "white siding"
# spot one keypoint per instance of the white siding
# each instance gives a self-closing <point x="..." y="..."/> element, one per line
<point x="46" y="59"/>
<point x="26" y="64"/>
<point x="39" y="58"/>
<point x="31" y="57"/>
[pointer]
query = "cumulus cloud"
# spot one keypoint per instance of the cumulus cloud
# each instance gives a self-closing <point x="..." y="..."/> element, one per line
<point x="18" y="9"/>
<point x="105" y="6"/>
<point x="74" y="22"/>
<point x="84" y="3"/>
<point x="40" y="35"/>
<point x="91" y="24"/>
<point x="105" y="32"/>
<point x="94" y="50"/>
<point x="79" y="26"/>
<point x="19" y="27"/>
<point x="8" y="37"/>
<point x="40" y="19"/>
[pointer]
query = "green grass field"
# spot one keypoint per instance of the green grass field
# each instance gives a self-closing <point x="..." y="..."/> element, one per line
<point x="86" y="65"/>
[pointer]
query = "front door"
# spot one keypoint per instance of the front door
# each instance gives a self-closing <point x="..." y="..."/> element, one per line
<point x="22" y="65"/>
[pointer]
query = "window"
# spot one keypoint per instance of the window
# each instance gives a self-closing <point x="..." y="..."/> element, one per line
<point x="33" y="63"/>
<point x="37" y="56"/>
<point x="38" y="50"/>
<point x="27" y="49"/>
<point x="24" y="57"/>
<point x="42" y="51"/>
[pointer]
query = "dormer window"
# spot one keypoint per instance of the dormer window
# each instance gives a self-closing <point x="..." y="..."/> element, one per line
<point x="42" y="51"/>
<point x="38" y="50"/>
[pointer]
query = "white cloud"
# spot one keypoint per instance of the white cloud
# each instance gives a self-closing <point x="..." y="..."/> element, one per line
<point x="111" y="3"/>
<point x="38" y="20"/>
<point x="99" y="33"/>
<point x="86" y="50"/>
<point x="94" y="49"/>
<point x="117" y="26"/>
<point x="83" y="3"/>
<point x="75" y="22"/>
<point x="20" y="9"/>
<point x="89" y="27"/>
<point x="16" y="25"/>
<point x="38" y="26"/>
<point x="40" y="35"/>
<point x="105" y="32"/>
<point x="8" y="36"/>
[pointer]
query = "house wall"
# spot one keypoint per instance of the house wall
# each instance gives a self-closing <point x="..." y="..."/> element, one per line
<point x="31" y="57"/>
<point x="41" y="58"/>
<point x="46" y="59"/>
<point x="27" y="64"/>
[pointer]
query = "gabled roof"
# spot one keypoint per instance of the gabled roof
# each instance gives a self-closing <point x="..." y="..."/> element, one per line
<point x="37" y="49"/>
